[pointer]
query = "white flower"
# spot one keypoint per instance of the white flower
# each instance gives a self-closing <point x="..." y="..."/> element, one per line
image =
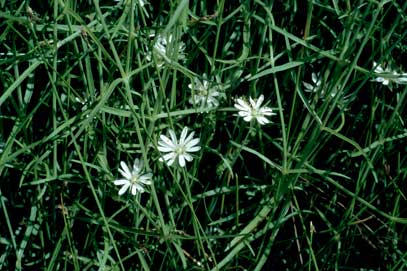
<point x="254" y="110"/>
<point x="204" y="95"/>
<point x="379" y="69"/>
<point x="317" y="86"/>
<point x="390" y="76"/>
<point x="164" y="50"/>
<point x="133" y="180"/>
<point x="316" y="83"/>
<point x="140" y="2"/>
<point x="175" y="149"/>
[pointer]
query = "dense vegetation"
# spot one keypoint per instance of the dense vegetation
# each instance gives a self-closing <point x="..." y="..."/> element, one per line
<point x="265" y="135"/>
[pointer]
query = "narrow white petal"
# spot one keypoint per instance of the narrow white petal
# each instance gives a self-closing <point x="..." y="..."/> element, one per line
<point x="173" y="137"/>
<point x="181" y="160"/>
<point x="125" y="171"/>
<point x="138" y="164"/>
<point x="252" y="102"/>
<point x="308" y="87"/>
<point x="165" y="141"/>
<point x="165" y="149"/>
<point x="146" y="176"/>
<point x="242" y="105"/>
<point x="124" y="188"/>
<point x="191" y="143"/>
<point x="244" y="113"/>
<point x="133" y="190"/>
<point x="259" y="101"/>
<point x="242" y="108"/>
<point x="194" y="149"/>
<point x="262" y="120"/>
<point x="171" y="161"/>
<point x="190" y="136"/>
<point x="121" y="182"/>
<point x="169" y="156"/>
<point x="183" y="135"/>
<point x="213" y="102"/>
<point x="314" y="78"/>
<point x="267" y="111"/>
<point x="146" y="181"/>
<point x="188" y="157"/>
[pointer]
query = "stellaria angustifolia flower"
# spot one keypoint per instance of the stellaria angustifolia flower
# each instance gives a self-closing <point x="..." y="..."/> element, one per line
<point x="316" y="83"/>
<point x="134" y="179"/>
<point x="165" y="49"/>
<point x="178" y="150"/>
<point x="140" y="2"/>
<point x="204" y="94"/>
<point x="317" y="87"/>
<point x="387" y="75"/>
<point x="254" y="110"/>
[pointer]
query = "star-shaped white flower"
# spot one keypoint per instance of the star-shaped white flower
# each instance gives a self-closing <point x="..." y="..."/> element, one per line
<point x="178" y="150"/>
<point x="379" y="69"/>
<point x="164" y="50"/>
<point x="204" y="95"/>
<point x="317" y="86"/>
<point x="134" y="180"/>
<point x="389" y="75"/>
<point x="140" y="2"/>
<point x="316" y="83"/>
<point x="254" y="110"/>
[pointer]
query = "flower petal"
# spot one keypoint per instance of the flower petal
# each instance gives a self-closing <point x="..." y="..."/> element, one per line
<point x="188" y="157"/>
<point x="259" y="101"/>
<point x="165" y="149"/>
<point x="121" y="182"/>
<point x="181" y="160"/>
<point x="173" y="137"/>
<point x="124" y="189"/>
<point x="248" y="118"/>
<point x="191" y="143"/>
<point x="308" y="87"/>
<point x="262" y="120"/>
<point x="166" y="142"/>
<point x="125" y="171"/>
<point x="184" y="135"/>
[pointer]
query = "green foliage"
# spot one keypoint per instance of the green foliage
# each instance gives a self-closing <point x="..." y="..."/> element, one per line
<point x="87" y="84"/>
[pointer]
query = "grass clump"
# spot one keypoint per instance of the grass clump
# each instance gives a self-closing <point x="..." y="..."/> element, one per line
<point x="194" y="135"/>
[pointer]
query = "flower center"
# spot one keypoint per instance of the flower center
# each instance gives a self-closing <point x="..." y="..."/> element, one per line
<point x="202" y="92"/>
<point x="254" y="113"/>
<point x="180" y="150"/>
<point x="134" y="179"/>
